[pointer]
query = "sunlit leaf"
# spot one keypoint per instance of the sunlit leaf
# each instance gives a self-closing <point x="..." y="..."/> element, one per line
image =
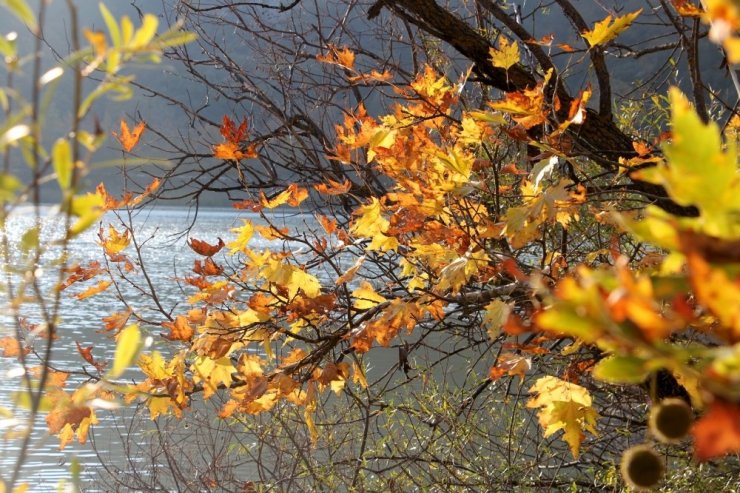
<point x="564" y="406"/>
<point x="127" y="349"/>
<point x="129" y="138"/>
<point x="506" y="55"/>
<point x="606" y="30"/>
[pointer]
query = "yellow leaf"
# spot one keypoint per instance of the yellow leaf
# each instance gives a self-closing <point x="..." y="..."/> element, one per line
<point x="116" y="242"/>
<point x="494" y="317"/>
<point x="244" y="232"/>
<point x="564" y="406"/>
<point x="212" y="373"/>
<point x="366" y="297"/>
<point x="88" y="208"/>
<point x="158" y="405"/>
<point x="292" y="278"/>
<point x="350" y="274"/>
<point x="506" y="55"/>
<point x="127" y="348"/>
<point x="606" y="30"/>
<point x="369" y="221"/>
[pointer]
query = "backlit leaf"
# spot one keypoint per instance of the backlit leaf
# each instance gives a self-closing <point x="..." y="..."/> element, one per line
<point x="506" y="55"/>
<point x="606" y="30"/>
<point x="127" y="349"/>
<point x="564" y="406"/>
<point x="129" y="138"/>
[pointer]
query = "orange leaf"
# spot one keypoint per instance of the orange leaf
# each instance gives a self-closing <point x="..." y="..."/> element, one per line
<point x="180" y="329"/>
<point x="233" y="136"/>
<point x="210" y="268"/>
<point x="116" y="321"/>
<point x="79" y="273"/>
<point x="232" y="133"/>
<point x="86" y="354"/>
<point x="206" y="249"/>
<point x="128" y="138"/>
<point x="58" y="418"/>
<point x="717" y="433"/>
<point x="329" y="225"/>
<point x="334" y="187"/>
<point x="686" y="9"/>
<point x="100" y="287"/>
<point x="11" y="348"/>
<point x="344" y="58"/>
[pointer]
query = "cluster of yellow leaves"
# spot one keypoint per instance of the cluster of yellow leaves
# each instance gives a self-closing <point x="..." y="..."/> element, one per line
<point x="564" y="406"/>
<point x="631" y="315"/>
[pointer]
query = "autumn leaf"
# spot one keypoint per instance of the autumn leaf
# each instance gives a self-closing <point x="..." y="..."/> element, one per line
<point x="212" y="373"/>
<point x="115" y="242"/>
<point x="334" y="188"/>
<point x="506" y="55"/>
<point x="344" y="58"/>
<point x="563" y="406"/>
<point x="717" y="433"/>
<point x="206" y="249"/>
<point x="129" y="138"/>
<point x="366" y="297"/>
<point x="293" y="196"/>
<point x="606" y="30"/>
<point x="209" y="268"/>
<point x="234" y="137"/>
<point x="92" y="291"/>
<point x="86" y="354"/>
<point x="244" y="234"/>
<point x="12" y="348"/>
<point x="180" y="329"/>
<point x="495" y="316"/>
<point x="116" y="321"/>
<point x="686" y="8"/>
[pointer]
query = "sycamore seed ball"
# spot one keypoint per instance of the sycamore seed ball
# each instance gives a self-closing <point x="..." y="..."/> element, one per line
<point x="670" y="420"/>
<point x="642" y="467"/>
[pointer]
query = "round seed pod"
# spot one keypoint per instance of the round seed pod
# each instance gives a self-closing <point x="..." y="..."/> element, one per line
<point x="641" y="467"/>
<point x="671" y="420"/>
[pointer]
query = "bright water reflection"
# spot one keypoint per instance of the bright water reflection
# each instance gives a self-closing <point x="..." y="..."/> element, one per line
<point x="165" y="254"/>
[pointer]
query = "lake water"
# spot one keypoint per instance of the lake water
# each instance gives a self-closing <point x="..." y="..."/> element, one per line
<point x="164" y="232"/>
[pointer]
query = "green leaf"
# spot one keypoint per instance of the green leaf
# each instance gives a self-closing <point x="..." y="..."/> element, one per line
<point x="9" y="184"/>
<point x="175" y="38"/>
<point x="88" y="208"/>
<point x="120" y="86"/>
<point x="621" y="370"/>
<point x="8" y="47"/>
<point x="20" y="9"/>
<point x="112" y="24"/>
<point x="569" y="322"/>
<point x="127" y="348"/>
<point x="61" y="159"/>
<point x="30" y="239"/>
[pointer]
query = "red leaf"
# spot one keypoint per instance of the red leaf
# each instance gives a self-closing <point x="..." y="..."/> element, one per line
<point x="205" y="249"/>
<point x="717" y="433"/>
<point x="86" y="354"/>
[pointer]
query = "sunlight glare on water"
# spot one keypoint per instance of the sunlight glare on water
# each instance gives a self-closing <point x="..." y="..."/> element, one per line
<point x="163" y="232"/>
